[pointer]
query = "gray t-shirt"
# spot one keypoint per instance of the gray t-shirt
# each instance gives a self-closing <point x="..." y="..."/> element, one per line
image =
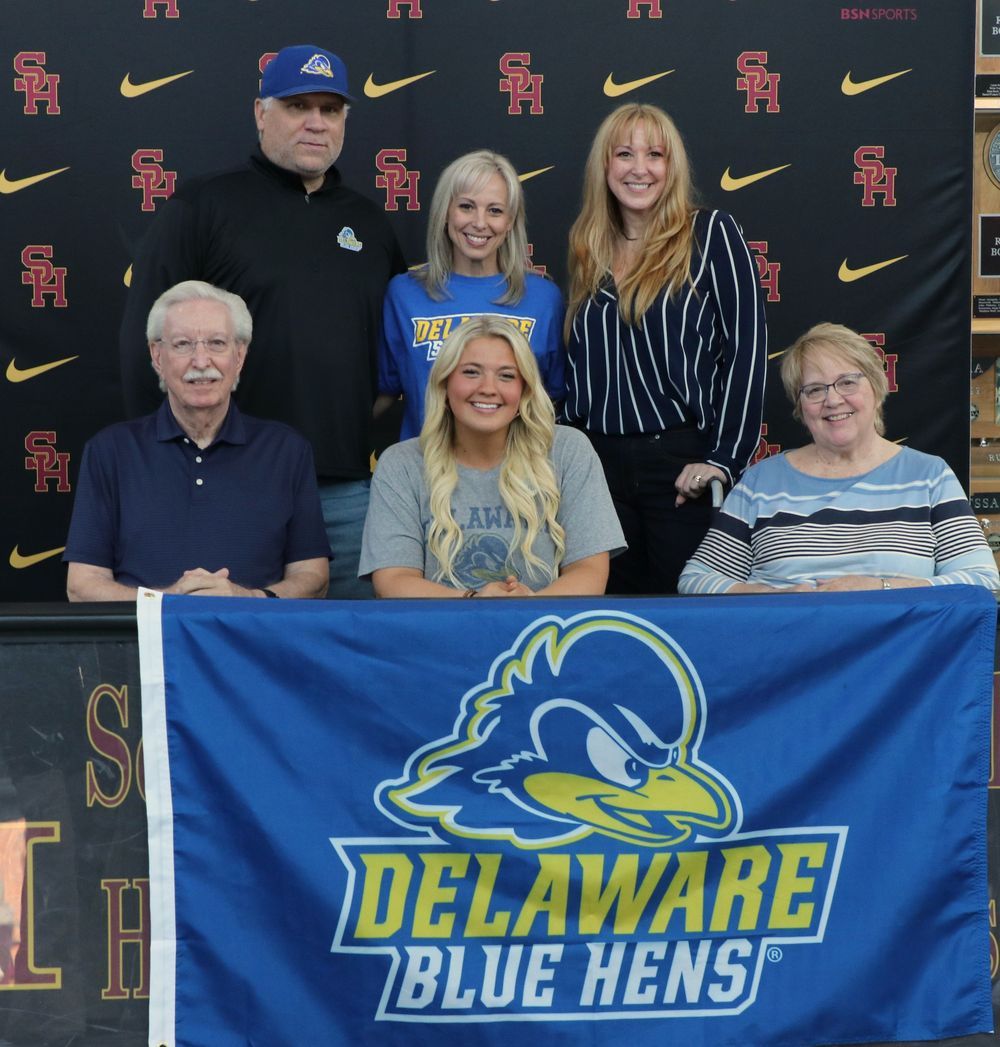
<point x="399" y="516"/>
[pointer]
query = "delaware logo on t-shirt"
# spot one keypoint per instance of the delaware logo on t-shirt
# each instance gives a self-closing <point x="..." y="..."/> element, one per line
<point x="485" y="552"/>
<point x="429" y="332"/>
<point x="483" y="558"/>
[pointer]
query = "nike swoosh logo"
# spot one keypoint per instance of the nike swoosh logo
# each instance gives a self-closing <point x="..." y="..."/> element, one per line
<point x="17" y="374"/>
<point x="531" y="174"/>
<point x="374" y="90"/>
<point x="849" y="87"/>
<point x="613" y="90"/>
<point x="127" y="278"/>
<point x="848" y="275"/>
<point x="731" y="184"/>
<point x="15" y="185"/>
<point x="130" y="90"/>
<point x="18" y="561"/>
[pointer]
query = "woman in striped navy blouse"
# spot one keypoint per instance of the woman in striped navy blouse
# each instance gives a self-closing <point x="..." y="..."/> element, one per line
<point x="851" y="510"/>
<point x="667" y="343"/>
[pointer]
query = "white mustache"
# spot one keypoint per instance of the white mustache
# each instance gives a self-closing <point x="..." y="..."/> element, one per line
<point x="193" y="374"/>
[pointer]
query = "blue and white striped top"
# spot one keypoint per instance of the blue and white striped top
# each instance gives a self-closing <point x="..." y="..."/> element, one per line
<point x="697" y="359"/>
<point x="906" y="518"/>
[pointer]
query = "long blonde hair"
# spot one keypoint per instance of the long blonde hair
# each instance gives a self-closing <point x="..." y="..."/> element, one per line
<point x="665" y="260"/>
<point x="528" y="486"/>
<point x="469" y="174"/>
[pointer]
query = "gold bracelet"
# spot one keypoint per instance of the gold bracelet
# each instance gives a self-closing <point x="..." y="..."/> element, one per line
<point x="885" y="583"/>
<point x="469" y="593"/>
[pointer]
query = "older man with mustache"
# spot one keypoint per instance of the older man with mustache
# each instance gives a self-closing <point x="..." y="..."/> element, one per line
<point x="197" y="498"/>
<point x="311" y="257"/>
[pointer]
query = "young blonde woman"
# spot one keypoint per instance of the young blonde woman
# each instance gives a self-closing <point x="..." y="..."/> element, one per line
<point x="667" y="343"/>
<point x="477" y="262"/>
<point x="493" y="499"/>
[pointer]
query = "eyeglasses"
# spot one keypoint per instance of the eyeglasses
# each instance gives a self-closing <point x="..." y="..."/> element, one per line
<point x="846" y="384"/>
<point x="186" y="346"/>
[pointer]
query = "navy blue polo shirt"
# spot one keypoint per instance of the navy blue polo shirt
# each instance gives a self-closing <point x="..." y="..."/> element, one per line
<point x="150" y="504"/>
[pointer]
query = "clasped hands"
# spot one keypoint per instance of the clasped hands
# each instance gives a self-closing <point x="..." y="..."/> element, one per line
<point x="510" y="586"/>
<point x="199" y="582"/>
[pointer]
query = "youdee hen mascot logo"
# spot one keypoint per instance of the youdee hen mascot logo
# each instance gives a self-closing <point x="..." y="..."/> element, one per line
<point x="571" y="853"/>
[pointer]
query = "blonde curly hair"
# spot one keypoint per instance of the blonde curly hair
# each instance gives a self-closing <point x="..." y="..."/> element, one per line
<point x="528" y="486"/>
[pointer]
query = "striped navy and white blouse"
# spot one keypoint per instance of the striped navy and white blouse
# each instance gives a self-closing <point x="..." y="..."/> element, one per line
<point x="697" y="358"/>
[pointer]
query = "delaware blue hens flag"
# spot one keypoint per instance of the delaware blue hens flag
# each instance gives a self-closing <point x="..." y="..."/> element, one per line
<point x="718" y="821"/>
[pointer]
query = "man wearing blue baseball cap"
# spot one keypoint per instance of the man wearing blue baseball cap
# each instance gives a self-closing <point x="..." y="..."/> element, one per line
<point x="304" y="131"/>
<point x="311" y="258"/>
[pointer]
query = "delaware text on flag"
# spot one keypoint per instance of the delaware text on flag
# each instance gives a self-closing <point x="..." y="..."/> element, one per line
<point x="762" y="819"/>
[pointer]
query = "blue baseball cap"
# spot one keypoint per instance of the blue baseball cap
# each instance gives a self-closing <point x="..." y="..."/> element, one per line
<point x="302" y="69"/>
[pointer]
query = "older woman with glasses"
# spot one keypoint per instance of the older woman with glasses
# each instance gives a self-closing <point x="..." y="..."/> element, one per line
<point x="851" y="509"/>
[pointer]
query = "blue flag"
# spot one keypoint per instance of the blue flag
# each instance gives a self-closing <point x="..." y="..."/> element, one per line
<point x="714" y="821"/>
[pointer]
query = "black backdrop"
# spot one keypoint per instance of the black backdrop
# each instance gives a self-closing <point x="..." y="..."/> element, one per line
<point x="526" y="77"/>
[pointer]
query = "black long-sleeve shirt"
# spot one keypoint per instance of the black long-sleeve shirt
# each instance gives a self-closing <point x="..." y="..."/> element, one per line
<point x="312" y="269"/>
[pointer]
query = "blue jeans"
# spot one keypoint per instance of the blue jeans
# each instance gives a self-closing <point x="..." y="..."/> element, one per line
<point x="345" y="505"/>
